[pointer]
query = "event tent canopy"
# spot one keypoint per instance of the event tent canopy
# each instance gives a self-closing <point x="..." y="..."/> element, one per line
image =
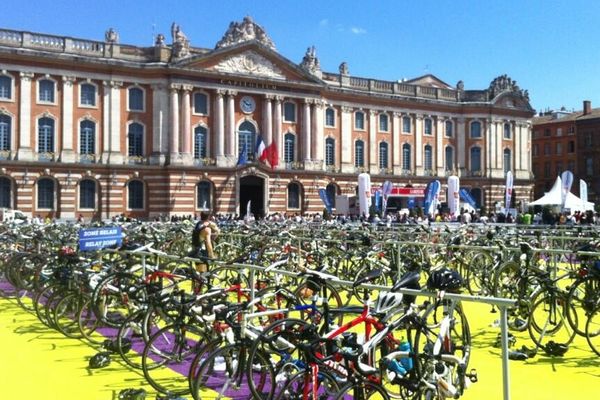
<point x="554" y="198"/>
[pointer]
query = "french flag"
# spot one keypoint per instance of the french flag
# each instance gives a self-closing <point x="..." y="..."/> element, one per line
<point x="261" y="149"/>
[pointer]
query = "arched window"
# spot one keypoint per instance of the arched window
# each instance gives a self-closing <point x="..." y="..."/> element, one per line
<point x="5" y="87"/>
<point x="330" y="117"/>
<point x="87" y="194"/>
<point x="293" y="193"/>
<point x="200" y="135"/>
<point x="289" y="144"/>
<point x="428" y="126"/>
<point x="45" y="193"/>
<point x="383" y="155"/>
<point x="289" y="112"/>
<point x="46" y="91"/>
<point x="406" y="161"/>
<point x="204" y="195"/>
<point x="331" y="191"/>
<point x="135" y="191"/>
<point x="135" y="140"/>
<point x="475" y="129"/>
<point x="359" y="153"/>
<point x="428" y="156"/>
<point x="87" y="97"/>
<point x="507" y="131"/>
<point x="246" y="139"/>
<point x="200" y="103"/>
<point x="45" y="135"/>
<point x="406" y="124"/>
<point x="87" y="137"/>
<point x="507" y="160"/>
<point x="475" y="159"/>
<point x="330" y="151"/>
<point x="449" y="158"/>
<point x="384" y="123"/>
<point x="135" y="99"/>
<point x="449" y="128"/>
<point x="5" y="129"/>
<point x="359" y="120"/>
<point x="5" y="193"/>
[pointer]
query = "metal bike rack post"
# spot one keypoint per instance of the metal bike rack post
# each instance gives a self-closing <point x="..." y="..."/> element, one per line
<point x="505" y="368"/>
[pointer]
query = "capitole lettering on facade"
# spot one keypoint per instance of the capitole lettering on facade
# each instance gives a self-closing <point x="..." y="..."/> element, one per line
<point x="252" y="85"/>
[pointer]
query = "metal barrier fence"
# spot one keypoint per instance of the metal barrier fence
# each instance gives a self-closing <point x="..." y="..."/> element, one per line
<point x="502" y="304"/>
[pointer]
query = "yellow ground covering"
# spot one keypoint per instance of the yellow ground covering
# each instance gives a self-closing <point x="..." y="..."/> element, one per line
<point x="38" y="363"/>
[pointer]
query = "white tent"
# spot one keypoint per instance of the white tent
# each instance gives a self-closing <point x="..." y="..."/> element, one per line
<point x="554" y="198"/>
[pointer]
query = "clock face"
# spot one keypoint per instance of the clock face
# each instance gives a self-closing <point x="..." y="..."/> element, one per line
<point x="247" y="104"/>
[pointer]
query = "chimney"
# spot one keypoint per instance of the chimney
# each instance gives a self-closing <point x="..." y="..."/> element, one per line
<point x="587" y="107"/>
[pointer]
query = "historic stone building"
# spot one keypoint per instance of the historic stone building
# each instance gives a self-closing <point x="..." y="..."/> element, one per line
<point x="100" y="128"/>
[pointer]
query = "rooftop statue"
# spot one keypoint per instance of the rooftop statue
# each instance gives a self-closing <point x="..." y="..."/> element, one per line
<point x="243" y="32"/>
<point x="181" y="44"/>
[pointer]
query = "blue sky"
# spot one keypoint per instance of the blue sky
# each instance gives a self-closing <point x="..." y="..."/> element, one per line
<point x="551" y="48"/>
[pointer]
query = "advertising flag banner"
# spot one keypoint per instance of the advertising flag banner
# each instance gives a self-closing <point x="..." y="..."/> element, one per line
<point x="431" y="192"/>
<point x="386" y="190"/>
<point x="466" y="196"/>
<point x="509" y="190"/>
<point x="567" y="181"/>
<point x="583" y="193"/>
<point x="453" y="196"/>
<point x="326" y="200"/>
<point x="364" y="193"/>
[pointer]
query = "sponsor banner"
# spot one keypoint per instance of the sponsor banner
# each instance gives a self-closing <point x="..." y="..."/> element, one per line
<point x="509" y="190"/>
<point x="466" y="196"/>
<point x="453" y="196"/>
<point x="364" y="193"/>
<point x="567" y="181"/>
<point x="326" y="200"/>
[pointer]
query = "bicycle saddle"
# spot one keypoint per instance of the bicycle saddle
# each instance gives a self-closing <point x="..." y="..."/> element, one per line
<point x="369" y="277"/>
<point x="409" y="280"/>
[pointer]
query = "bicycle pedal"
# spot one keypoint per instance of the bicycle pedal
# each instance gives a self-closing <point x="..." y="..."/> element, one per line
<point x="472" y="375"/>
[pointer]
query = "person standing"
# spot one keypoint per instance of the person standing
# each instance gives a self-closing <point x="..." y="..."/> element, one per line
<point x="203" y="235"/>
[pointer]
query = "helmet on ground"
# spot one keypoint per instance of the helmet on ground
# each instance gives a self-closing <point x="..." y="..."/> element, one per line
<point x="100" y="360"/>
<point x="132" y="394"/>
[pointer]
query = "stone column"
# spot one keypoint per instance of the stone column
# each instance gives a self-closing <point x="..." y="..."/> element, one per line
<point x="439" y="145"/>
<point x="268" y="120"/>
<point x="25" y="152"/>
<point x="220" y="129"/>
<point x="230" y="152"/>
<point x="115" y="157"/>
<point x="306" y="132"/>
<point x="347" y="144"/>
<point x="461" y="143"/>
<point x="105" y="122"/>
<point x="186" y="126"/>
<point x="317" y="135"/>
<point x="174" y="156"/>
<point x="277" y="127"/>
<point x="160" y="118"/>
<point x="490" y="141"/>
<point x="418" y="151"/>
<point x="67" y="154"/>
<point x="396" y="146"/>
<point x="499" y="147"/>
<point x="373" y="164"/>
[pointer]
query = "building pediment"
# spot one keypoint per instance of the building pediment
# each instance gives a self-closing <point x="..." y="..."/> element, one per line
<point x="250" y="59"/>
<point x="431" y="81"/>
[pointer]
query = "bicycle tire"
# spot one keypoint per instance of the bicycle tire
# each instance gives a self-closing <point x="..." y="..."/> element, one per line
<point x="584" y="294"/>
<point x="363" y="390"/>
<point x="592" y="330"/>
<point x="550" y="324"/>
<point x="65" y="315"/>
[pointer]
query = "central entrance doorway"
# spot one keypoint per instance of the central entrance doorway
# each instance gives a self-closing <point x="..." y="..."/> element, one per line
<point x="252" y="189"/>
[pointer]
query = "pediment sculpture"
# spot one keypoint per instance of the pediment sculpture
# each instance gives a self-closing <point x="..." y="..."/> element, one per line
<point x="243" y="32"/>
<point x="310" y="62"/>
<point x="250" y="63"/>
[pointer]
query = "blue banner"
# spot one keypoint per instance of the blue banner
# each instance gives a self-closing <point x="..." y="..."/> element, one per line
<point x="430" y="191"/>
<point x="378" y="199"/>
<point x="411" y="203"/>
<point x="326" y="200"/>
<point x="466" y="196"/>
<point x="92" y="239"/>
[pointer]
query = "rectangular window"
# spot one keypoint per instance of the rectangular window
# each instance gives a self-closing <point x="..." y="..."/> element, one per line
<point x="383" y="123"/>
<point x="87" y="194"/>
<point x="359" y="121"/>
<point x="558" y="168"/>
<point x="46" y="91"/>
<point x="588" y="140"/>
<point x="5" y="87"/>
<point x="558" y="149"/>
<point x="200" y="104"/>
<point x="359" y="159"/>
<point x="536" y="150"/>
<point x="589" y="166"/>
<point x="559" y="132"/>
<point x="383" y="156"/>
<point x="88" y="95"/>
<point x="507" y="131"/>
<point x="289" y="112"/>
<point x="329" y="151"/>
<point x="406" y="123"/>
<point x="428" y="129"/>
<point x="547" y="132"/>
<point x="449" y="128"/>
<point x="136" y="99"/>
<point x="5" y="122"/>
<point x="330" y="117"/>
<point x="571" y="146"/>
<point x="546" y="170"/>
<point x="571" y="130"/>
<point x="547" y="149"/>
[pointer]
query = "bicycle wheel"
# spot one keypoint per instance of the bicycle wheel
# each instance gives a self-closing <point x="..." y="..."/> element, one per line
<point x="130" y="341"/>
<point x="168" y="355"/>
<point x="228" y="372"/>
<point x="65" y="315"/>
<point x="592" y="330"/>
<point x="304" y="293"/>
<point x="300" y="386"/>
<point x="361" y="391"/>
<point x="116" y="296"/>
<point x="548" y="321"/>
<point x="583" y="296"/>
<point x="508" y="284"/>
<point x="478" y="268"/>
<point x="88" y="324"/>
<point x="40" y="300"/>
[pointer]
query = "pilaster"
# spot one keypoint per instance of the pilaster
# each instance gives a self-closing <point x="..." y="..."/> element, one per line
<point x="306" y="132"/>
<point x="439" y="145"/>
<point x="174" y="156"/>
<point x="25" y="152"/>
<point x="419" y="145"/>
<point x="67" y="155"/>
<point x="115" y="155"/>
<point x="186" y="126"/>
<point x="372" y="151"/>
<point x="396" y="147"/>
<point x="230" y="152"/>
<point x="346" y="127"/>
<point x="220" y="128"/>
<point x="160" y="118"/>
